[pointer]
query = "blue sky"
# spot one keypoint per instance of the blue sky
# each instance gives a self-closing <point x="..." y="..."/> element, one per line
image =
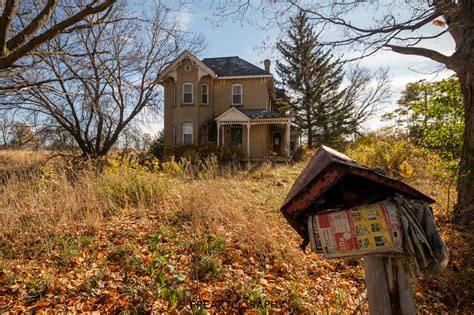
<point x="250" y="42"/>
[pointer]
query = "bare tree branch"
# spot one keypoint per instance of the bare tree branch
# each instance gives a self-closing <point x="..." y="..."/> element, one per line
<point x="25" y="41"/>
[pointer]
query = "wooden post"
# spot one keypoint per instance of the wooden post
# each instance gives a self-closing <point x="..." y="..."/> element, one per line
<point x="388" y="286"/>
<point x="248" y="142"/>
<point x="218" y="133"/>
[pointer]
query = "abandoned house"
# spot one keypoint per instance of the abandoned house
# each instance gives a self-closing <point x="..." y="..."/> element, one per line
<point x="226" y="101"/>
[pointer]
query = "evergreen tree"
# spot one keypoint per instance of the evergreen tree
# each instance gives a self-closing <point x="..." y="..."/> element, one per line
<point x="314" y="78"/>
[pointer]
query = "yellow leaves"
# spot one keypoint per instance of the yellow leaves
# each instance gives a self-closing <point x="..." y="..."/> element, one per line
<point x="439" y="23"/>
<point x="406" y="170"/>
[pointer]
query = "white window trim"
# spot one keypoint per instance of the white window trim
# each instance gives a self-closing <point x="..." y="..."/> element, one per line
<point x="207" y="94"/>
<point x="192" y="92"/>
<point x="241" y="94"/>
<point x="192" y="132"/>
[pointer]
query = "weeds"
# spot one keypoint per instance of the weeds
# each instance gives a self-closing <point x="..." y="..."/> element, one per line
<point x="164" y="279"/>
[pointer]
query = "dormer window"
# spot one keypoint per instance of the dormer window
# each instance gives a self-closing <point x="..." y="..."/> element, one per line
<point x="187" y="93"/>
<point x="237" y="90"/>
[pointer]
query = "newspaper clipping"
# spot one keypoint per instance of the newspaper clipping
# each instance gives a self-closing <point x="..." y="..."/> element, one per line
<point x="368" y="229"/>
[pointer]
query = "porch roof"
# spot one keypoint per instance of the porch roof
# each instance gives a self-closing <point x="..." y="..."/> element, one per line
<point x="252" y="116"/>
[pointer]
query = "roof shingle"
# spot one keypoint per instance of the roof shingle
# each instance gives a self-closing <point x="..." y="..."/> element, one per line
<point x="233" y="66"/>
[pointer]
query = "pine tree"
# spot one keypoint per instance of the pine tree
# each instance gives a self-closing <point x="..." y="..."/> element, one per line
<point x="314" y="77"/>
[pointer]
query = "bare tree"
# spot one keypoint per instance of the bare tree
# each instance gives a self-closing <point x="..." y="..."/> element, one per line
<point x="6" y="125"/>
<point x="368" y="91"/>
<point x="25" y="25"/>
<point x="403" y="27"/>
<point x="103" y="78"/>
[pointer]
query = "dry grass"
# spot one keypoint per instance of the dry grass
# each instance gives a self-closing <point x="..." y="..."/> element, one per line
<point x="47" y="202"/>
<point x="50" y="203"/>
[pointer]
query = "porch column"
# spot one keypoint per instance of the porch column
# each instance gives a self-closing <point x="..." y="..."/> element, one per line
<point x="287" y="136"/>
<point x="218" y="133"/>
<point x="248" y="142"/>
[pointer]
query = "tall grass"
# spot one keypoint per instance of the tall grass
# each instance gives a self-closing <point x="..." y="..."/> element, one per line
<point x="46" y="201"/>
<point x="57" y="200"/>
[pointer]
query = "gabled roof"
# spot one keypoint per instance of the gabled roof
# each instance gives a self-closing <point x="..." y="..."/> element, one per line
<point x="233" y="114"/>
<point x="186" y="55"/>
<point x="233" y="67"/>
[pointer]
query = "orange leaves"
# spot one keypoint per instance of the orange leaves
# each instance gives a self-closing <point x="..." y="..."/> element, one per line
<point x="439" y="23"/>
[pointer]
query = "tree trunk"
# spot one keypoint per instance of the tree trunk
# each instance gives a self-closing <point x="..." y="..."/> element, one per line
<point x="310" y="139"/>
<point x="464" y="210"/>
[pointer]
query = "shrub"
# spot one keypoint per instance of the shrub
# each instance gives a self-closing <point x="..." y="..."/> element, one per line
<point x="398" y="157"/>
<point x="198" y="153"/>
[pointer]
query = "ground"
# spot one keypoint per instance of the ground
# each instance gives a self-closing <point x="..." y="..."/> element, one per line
<point x="131" y="239"/>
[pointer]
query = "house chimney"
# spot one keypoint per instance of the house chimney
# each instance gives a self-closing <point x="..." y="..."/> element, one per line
<point x="267" y="63"/>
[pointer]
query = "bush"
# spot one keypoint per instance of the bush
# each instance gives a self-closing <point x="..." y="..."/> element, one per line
<point x="302" y="154"/>
<point x="199" y="153"/>
<point x="157" y="148"/>
<point x="398" y="157"/>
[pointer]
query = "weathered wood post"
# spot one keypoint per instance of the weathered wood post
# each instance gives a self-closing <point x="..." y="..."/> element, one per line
<point x="388" y="286"/>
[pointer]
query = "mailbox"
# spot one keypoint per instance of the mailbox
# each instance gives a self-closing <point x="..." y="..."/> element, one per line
<point x="332" y="193"/>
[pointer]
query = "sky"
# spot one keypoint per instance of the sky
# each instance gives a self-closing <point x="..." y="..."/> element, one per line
<point x="253" y="42"/>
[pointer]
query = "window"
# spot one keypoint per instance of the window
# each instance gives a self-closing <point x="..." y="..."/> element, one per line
<point x="237" y="94"/>
<point x="174" y="95"/>
<point x="187" y="68"/>
<point x="204" y="133"/>
<point x="174" y="134"/>
<point x="187" y="133"/>
<point x="187" y="93"/>
<point x="204" y="94"/>
<point x="276" y="142"/>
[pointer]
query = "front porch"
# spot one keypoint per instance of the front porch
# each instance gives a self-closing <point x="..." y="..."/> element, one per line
<point x="262" y="134"/>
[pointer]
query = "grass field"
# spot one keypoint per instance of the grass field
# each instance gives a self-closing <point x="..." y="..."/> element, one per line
<point x="131" y="239"/>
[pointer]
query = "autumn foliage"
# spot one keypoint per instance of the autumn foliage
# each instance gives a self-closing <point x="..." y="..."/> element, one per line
<point x="144" y="236"/>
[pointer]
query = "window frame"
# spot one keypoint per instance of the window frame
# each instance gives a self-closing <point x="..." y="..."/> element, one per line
<point x="175" y="92"/>
<point x="192" y="132"/>
<point x="175" y="134"/>
<point x="192" y="92"/>
<point x="207" y="94"/>
<point x="241" y="94"/>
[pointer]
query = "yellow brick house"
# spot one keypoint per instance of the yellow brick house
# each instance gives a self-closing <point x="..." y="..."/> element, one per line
<point x="227" y="101"/>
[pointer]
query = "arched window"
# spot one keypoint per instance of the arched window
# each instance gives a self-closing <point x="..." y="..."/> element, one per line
<point x="187" y="93"/>
<point x="187" y="133"/>
<point x="237" y="91"/>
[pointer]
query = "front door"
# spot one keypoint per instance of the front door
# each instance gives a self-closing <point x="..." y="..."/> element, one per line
<point x="236" y="137"/>
<point x="276" y="142"/>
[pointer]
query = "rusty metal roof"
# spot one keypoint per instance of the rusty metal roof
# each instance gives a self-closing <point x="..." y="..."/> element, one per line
<point x="333" y="180"/>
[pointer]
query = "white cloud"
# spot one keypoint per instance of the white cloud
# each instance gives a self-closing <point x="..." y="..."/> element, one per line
<point x="183" y="18"/>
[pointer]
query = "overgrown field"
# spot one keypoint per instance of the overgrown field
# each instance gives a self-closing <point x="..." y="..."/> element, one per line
<point x="142" y="238"/>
